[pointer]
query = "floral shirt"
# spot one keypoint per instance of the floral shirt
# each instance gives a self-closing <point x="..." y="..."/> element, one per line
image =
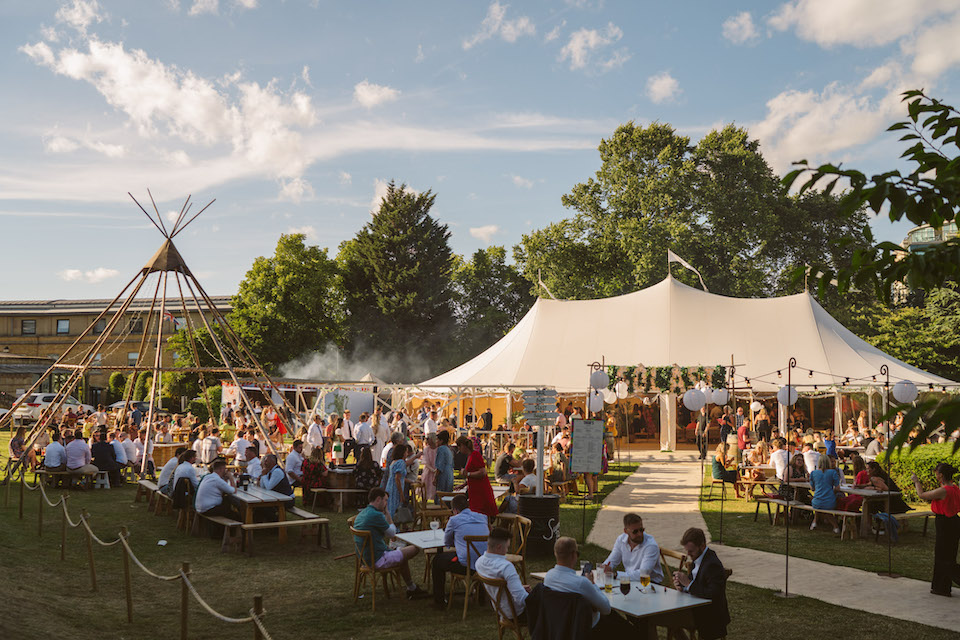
<point x="313" y="474"/>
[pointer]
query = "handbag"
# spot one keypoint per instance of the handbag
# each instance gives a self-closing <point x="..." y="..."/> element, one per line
<point x="403" y="515"/>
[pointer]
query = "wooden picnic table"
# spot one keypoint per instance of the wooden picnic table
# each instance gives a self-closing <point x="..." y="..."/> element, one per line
<point x="655" y="601"/>
<point x="870" y="497"/>
<point x="254" y="497"/>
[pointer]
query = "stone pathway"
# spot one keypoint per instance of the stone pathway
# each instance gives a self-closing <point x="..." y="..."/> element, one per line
<point x="665" y="494"/>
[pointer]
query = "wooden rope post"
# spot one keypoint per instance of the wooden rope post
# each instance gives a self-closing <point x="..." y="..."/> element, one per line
<point x="126" y="575"/>
<point x="6" y="496"/>
<point x="184" y="600"/>
<point x="258" y="612"/>
<point x="22" y="478"/>
<point x="40" y="513"/>
<point x="63" y="527"/>
<point x="93" y="568"/>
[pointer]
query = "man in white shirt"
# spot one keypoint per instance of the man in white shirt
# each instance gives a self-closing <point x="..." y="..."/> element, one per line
<point x="100" y="417"/>
<point x="211" y="490"/>
<point x="144" y="448"/>
<point x="252" y="465"/>
<point x="55" y="456"/>
<point x="810" y="457"/>
<point x="779" y="458"/>
<point x="494" y="564"/>
<point x="348" y="436"/>
<point x="167" y="470"/>
<point x="185" y="469"/>
<point x="274" y="479"/>
<point x="237" y="449"/>
<point x="118" y="449"/>
<point x="430" y="424"/>
<point x="637" y="551"/>
<point x="315" y="434"/>
<point x="294" y="464"/>
<point x="129" y="448"/>
<point x="78" y="454"/>
<point x="364" y="433"/>
<point x="565" y="577"/>
<point x="527" y="484"/>
<point x="211" y="447"/>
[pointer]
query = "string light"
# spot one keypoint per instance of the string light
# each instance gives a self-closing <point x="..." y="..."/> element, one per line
<point x="931" y="386"/>
<point x="814" y="387"/>
<point x="748" y="380"/>
<point x="779" y="375"/>
<point x="944" y="389"/>
<point x="810" y="375"/>
<point x="874" y="378"/>
<point x="846" y="381"/>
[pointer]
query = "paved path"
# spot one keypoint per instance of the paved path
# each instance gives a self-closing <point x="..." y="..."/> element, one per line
<point x="665" y="494"/>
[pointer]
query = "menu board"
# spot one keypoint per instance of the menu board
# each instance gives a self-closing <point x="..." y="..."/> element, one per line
<point x="586" y="446"/>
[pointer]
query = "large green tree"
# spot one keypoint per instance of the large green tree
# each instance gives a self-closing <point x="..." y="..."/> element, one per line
<point x="288" y="304"/>
<point x="397" y="290"/>
<point x="490" y="296"/>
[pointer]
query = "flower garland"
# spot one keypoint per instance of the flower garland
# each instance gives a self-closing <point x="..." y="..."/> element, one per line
<point x="666" y="379"/>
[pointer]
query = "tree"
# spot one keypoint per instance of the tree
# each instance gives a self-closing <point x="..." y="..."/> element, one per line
<point x="115" y="387"/>
<point x="490" y="297"/>
<point x="929" y="193"/>
<point x="396" y="282"/>
<point x="288" y="304"/>
<point x="142" y="386"/>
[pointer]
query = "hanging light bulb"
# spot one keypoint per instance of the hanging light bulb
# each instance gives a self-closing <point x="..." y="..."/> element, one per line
<point x="748" y="381"/>
<point x="814" y="387"/>
<point x="874" y="378"/>
<point x="846" y="381"/>
<point x="931" y="386"/>
<point x="810" y="374"/>
<point x="779" y="375"/>
<point x="944" y="388"/>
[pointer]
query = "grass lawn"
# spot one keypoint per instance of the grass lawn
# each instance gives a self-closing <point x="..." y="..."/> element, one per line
<point x="912" y="555"/>
<point x="306" y="592"/>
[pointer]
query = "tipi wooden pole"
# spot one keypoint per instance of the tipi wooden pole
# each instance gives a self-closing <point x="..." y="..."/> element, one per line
<point x="155" y="384"/>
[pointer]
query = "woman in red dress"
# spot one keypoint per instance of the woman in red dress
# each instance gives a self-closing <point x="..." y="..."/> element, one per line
<point x="479" y="491"/>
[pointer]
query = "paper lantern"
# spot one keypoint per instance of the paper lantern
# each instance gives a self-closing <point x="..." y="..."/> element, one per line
<point x="595" y="403"/>
<point x="646" y="401"/>
<point x="905" y="391"/>
<point x="599" y="379"/>
<point x="720" y="396"/>
<point x="787" y="396"/>
<point x="755" y="406"/>
<point x="622" y="389"/>
<point x="694" y="399"/>
<point x="609" y="396"/>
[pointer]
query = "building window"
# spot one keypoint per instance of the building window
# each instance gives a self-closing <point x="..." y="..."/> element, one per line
<point x="63" y="327"/>
<point x="136" y="325"/>
<point x="100" y="326"/>
<point x="28" y="327"/>
<point x="131" y="358"/>
<point x="97" y="360"/>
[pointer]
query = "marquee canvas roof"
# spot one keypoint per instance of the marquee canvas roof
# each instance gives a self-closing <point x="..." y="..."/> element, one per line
<point x="671" y="323"/>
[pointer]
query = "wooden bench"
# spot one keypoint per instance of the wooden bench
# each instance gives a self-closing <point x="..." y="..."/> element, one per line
<point x="232" y="534"/>
<point x="322" y="526"/>
<point x="162" y="503"/>
<point x="69" y="476"/>
<point x="782" y="508"/>
<point x="844" y="516"/>
<point x="750" y="485"/>
<point x="146" y="488"/>
<point x="315" y="521"/>
<point x="904" y="518"/>
<point x="339" y="492"/>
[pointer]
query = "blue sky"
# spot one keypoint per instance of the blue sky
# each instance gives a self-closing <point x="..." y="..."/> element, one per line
<point x="293" y="114"/>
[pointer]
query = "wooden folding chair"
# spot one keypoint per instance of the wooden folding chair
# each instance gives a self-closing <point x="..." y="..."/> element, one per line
<point x="518" y="557"/>
<point x="366" y="567"/>
<point x="506" y="618"/>
<point x="467" y="579"/>
<point x="667" y="569"/>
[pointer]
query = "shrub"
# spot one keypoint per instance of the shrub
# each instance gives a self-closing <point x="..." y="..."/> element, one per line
<point x="921" y="461"/>
<point x="214" y="394"/>
<point x="142" y="386"/>
<point x="199" y="408"/>
<point x="115" y="387"/>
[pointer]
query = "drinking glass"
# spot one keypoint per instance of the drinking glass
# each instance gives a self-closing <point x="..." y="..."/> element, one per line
<point x="434" y="524"/>
<point x="644" y="582"/>
<point x="624" y="586"/>
<point x="608" y="582"/>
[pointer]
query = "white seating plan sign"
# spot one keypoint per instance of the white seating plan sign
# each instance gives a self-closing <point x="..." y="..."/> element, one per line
<point x="586" y="446"/>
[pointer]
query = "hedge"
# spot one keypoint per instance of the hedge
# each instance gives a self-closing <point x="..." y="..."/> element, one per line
<point x="921" y="461"/>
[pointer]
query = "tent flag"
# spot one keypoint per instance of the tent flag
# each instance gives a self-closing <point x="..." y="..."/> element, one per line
<point x="672" y="257"/>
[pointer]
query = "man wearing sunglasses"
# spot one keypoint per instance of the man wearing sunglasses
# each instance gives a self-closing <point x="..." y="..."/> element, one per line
<point x="636" y="551"/>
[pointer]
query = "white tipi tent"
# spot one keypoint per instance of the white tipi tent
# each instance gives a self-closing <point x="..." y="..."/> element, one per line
<point x="672" y="323"/>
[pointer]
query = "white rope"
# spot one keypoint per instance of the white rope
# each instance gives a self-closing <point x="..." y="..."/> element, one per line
<point x="43" y="492"/>
<point x="210" y="609"/>
<point x="67" y="515"/>
<point x="86" y="526"/>
<point x="136" y="561"/>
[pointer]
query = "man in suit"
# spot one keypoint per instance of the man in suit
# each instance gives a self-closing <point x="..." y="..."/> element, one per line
<point x="708" y="580"/>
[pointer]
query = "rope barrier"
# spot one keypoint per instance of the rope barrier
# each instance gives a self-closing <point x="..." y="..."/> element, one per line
<point x="136" y="561"/>
<point x="259" y="623"/>
<point x="210" y="609"/>
<point x="86" y="526"/>
<point x="66" y="515"/>
<point x="43" y="492"/>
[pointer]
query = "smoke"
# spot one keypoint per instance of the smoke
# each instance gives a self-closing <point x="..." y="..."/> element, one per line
<point x="332" y="363"/>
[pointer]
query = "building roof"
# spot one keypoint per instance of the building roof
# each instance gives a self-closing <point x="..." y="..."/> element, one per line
<point x="61" y="307"/>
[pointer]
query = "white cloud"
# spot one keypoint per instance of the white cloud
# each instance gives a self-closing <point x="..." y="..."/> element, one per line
<point x="935" y="49"/>
<point x="523" y="183"/>
<point x="370" y="95"/>
<point x="80" y="14"/>
<point x="296" y="190"/>
<point x="555" y="32"/>
<point x="305" y="75"/>
<point x="57" y="143"/>
<point x="496" y="22"/>
<point x="92" y="277"/>
<point x="583" y="43"/>
<point x="485" y="233"/>
<point x="662" y="87"/>
<point x="739" y="29"/>
<point x="204" y="6"/>
<point x="171" y="216"/>
<point x="862" y="23"/>
<point x="344" y="178"/>
<point x="309" y="231"/>
<point x="247" y="4"/>
<point x="420" y="55"/>
<point x="379" y="192"/>
<point x="60" y="144"/>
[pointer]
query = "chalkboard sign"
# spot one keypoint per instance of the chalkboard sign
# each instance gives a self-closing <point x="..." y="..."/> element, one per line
<point x="586" y="446"/>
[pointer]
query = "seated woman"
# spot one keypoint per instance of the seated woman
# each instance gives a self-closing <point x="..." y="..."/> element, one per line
<point x="17" y="450"/>
<point x="798" y="473"/>
<point x="825" y="481"/>
<point x="367" y="473"/>
<point x="760" y="454"/>
<point x="314" y="475"/>
<point x="861" y="479"/>
<point x="882" y="482"/>
<point x="720" y="463"/>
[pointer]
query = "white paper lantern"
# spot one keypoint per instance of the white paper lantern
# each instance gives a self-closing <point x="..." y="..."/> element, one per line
<point x="646" y="401"/>
<point x="720" y="396"/>
<point x="787" y="396"/>
<point x="755" y="406"/>
<point x="596" y="401"/>
<point x="609" y="396"/>
<point x="694" y="399"/>
<point x="622" y="389"/>
<point x="599" y="379"/>
<point x="905" y="391"/>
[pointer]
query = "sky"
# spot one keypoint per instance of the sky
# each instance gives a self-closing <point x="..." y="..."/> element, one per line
<point x="294" y="114"/>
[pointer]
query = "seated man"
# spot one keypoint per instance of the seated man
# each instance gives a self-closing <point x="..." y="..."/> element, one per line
<point x="564" y="577"/>
<point x="506" y="465"/>
<point x="185" y="469"/>
<point x="810" y="457"/>
<point x="274" y="479"/>
<point x="129" y="449"/>
<point x="78" y="455"/>
<point x="251" y="462"/>
<point x="294" y="464"/>
<point x="463" y="523"/>
<point x="376" y="519"/>
<point x="144" y="447"/>
<point x="637" y="551"/>
<point x="55" y="456"/>
<point x="708" y="580"/>
<point x="119" y="450"/>
<point x="527" y="483"/>
<point x="104" y="457"/>
<point x="211" y="490"/>
<point x="237" y="450"/>
<point x="167" y="470"/>
<point x="494" y="564"/>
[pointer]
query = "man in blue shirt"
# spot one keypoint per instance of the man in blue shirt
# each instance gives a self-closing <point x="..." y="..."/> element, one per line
<point x="463" y="523"/>
<point x="375" y="519"/>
